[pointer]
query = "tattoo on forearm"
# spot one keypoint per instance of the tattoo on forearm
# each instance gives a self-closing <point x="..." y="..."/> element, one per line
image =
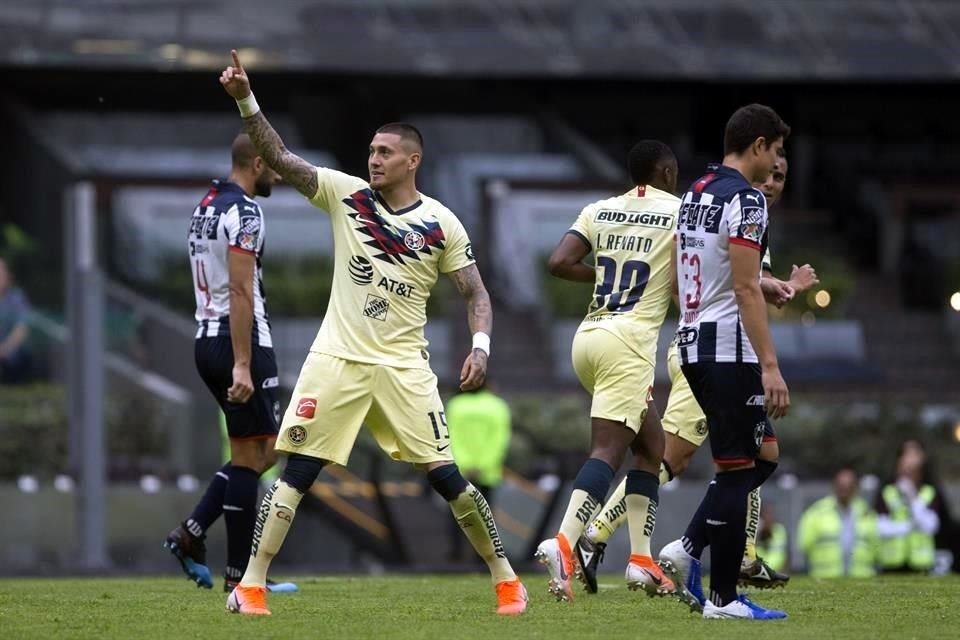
<point x="292" y="168"/>
<point x="470" y="285"/>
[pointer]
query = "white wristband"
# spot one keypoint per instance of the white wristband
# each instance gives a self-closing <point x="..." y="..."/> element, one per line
<point x="481" y="341"/>
<point x="248" y="106"/>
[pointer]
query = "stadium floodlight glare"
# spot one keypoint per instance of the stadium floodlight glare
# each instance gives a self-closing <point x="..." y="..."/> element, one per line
<point x="63" y="483"/>
<point x="956" y="432"/>
<point x="955" y="301"/>
<point x="822" y="298"/>
<point x="29" y="484"/>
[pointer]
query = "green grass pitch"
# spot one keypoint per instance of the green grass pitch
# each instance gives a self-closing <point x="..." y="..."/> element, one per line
<point x="462" y="607"/>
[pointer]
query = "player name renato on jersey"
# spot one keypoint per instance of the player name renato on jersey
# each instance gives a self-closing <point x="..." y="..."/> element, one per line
<point x="631" y="236"/>
<point x="720" y="209"/>
<point x="226" y="220"/>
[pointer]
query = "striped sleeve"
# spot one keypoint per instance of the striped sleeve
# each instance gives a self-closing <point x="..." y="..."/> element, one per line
<point x="747" y="219"/>
<point x="244" y="227"/>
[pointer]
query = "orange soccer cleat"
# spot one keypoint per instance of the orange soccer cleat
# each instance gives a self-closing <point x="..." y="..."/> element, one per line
<point x="511" y="597"/>
<point x="248" y="601"/>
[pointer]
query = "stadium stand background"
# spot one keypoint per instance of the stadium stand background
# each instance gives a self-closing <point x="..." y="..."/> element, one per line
<point x="528" y="109"/>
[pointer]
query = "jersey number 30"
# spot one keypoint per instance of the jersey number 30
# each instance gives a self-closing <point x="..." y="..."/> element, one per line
<point x="633" y="278"/>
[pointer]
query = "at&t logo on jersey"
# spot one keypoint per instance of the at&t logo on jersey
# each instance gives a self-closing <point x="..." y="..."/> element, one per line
<point x="360" y="270"/>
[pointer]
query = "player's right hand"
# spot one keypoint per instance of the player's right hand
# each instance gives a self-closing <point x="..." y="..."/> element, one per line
<point x="234" y="79"/>
<point x="776" y="292"/>
<point x="242" y="388"/>
<point x="775" y="392"/>
<point x="803" y="277"/>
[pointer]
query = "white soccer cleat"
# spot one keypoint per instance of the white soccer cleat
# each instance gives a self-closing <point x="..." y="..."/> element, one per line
<point x="679" y="561"/>
<point x="733" y="610"/>
<point x="556" y="556"/>
<point x="644" y="574"/>
<point x="742" y="608"/>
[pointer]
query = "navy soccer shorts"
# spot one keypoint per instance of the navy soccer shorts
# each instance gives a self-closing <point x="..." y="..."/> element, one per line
<point x="731" y="396"/>
<point x="258" y="417"/>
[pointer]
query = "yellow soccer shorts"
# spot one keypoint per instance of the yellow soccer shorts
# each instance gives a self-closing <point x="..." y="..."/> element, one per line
<point x="620" y="380"/>
<point x="334" y="397"/>
<point x="683" y="418"/>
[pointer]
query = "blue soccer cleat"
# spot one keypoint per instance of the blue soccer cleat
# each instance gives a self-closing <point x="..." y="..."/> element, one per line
<point x="759" y="613"/>
<point x="191" y="552"/>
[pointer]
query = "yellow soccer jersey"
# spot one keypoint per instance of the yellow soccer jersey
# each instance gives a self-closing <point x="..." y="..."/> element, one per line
<point x="631" y="237"/>
<point x="386" y="263"/>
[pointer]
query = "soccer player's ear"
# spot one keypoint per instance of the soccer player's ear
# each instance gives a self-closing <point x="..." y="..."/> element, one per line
<point x="414" y="162"/>
<point x="259" y="166"/>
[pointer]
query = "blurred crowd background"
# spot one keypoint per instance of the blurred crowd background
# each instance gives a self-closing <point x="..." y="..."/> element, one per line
<point x="113" y="123"/>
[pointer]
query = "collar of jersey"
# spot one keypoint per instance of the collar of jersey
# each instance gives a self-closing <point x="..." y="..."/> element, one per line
<point x="716" y="167"/>
<point x="657" y="192"/>
<point x="227" y="185"/>
<point x="383" y="203"/>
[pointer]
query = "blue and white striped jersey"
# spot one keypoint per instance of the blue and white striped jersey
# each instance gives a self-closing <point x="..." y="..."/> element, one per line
<point x="720" y="209"/>
<point x="226" y="220"/>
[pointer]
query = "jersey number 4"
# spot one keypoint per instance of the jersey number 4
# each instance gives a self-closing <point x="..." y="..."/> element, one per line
<point x="633" y="278"/>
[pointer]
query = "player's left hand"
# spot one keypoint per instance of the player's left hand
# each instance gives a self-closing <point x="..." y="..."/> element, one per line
<point x="802" y="278"/>
<point x="474" y="371"/>
<point x="242" y="388"/>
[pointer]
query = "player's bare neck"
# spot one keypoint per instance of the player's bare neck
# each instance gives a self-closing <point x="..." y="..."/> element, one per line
<point x="400" y="197"/>
<point x="244" y="182"/>
<point x="737" y="162"/>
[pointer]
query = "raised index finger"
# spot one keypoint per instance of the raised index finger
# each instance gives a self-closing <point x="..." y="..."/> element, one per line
<point x="236" y="59"/>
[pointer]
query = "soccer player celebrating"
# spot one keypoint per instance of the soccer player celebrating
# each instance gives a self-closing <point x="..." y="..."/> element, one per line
<point x="369" y="362"/>
<point x="614" y="355"/>
<point x="685" y="427"/>
<point x="235" y="358"/>
<point x="726" y="353"/>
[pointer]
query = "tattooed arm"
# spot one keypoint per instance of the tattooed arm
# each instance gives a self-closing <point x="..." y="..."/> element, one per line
<point x="470" y="285"/>
<point x="479" y="318"/>
<point x="292" y="168"/>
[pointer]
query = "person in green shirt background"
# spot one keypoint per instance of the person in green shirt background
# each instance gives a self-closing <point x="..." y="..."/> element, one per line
<point x="479" y="426"/>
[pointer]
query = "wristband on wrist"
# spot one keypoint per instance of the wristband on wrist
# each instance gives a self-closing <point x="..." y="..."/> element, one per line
<point x="248" y="106"/>
<point x="481" y="341"/>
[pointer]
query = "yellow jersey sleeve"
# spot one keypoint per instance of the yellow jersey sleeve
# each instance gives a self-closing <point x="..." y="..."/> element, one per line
<point x="458" y="251"/>
<point x="583" y="225"/>
<point x="332" y="186"/>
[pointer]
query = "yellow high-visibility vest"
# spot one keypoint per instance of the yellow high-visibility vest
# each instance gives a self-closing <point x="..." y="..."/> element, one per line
<point x="915" y="549"/>
<point x="819" y="533"/>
